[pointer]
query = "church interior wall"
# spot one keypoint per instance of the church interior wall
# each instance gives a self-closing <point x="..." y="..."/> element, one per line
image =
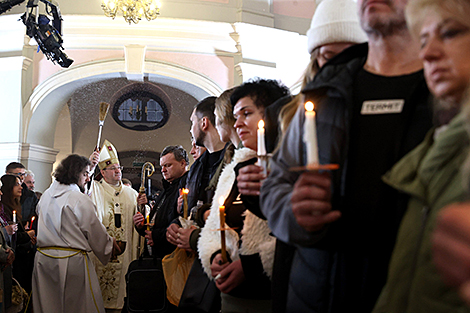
<point x="194" y="49"/>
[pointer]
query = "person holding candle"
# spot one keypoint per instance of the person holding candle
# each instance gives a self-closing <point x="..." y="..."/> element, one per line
<point x="372" y="106"/>
<point x="7" y="256"/>
<point x="334" y="28"/>
<point x="204" y="172"/>
<point x="173" y="163"/>
<point x="244" y="280"/>
<point x="10" y="201"/>
<point x="201" y="181"/>
<point x="28" y="198"/>
<point x="25" y="253"/>
<point x="431" y="173"/>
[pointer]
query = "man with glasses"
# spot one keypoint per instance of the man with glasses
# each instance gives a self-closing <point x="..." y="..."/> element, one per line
<point x="116" y="205"/>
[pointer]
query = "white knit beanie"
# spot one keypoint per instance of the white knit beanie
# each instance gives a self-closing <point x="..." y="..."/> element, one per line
<point x="334" y="21"/>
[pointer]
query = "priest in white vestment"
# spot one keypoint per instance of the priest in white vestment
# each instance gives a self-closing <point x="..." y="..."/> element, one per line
<point x="64" y="278"/>
<point x="116" y="205"/>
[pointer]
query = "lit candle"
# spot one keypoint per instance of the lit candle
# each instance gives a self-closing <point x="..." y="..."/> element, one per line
<point x="185" y="203"/>
<point x="14" y="216"/>
<point x="148" y="222"/>
<point x="310" y="134"/>
<point x="223" y="250"/>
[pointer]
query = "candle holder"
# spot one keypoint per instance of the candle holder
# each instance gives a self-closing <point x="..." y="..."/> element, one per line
<point x="149" y="225"/>
<point x="314" y="168"/>
<point x="263" y="162"/>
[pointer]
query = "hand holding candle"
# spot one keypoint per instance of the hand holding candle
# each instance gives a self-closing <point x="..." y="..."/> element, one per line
<point x="30" y="226"/>
<point x="185" y="202"/>
<point x="310" y="134"/>
<point x="223" y="250"/>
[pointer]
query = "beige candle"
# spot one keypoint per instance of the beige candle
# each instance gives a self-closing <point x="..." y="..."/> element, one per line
<point x="223" y="249"/>
<point x="185" y="202"/>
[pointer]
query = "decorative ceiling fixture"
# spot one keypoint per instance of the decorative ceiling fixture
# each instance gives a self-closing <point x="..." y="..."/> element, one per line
<point x="132" y="10"/>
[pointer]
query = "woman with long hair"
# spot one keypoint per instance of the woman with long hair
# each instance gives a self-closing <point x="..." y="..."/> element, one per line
<point x="21" y="240"/>
<point x="334" y="28"/>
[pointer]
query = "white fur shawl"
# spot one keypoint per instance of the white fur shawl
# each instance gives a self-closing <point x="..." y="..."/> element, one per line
<point x="255" y="232"/>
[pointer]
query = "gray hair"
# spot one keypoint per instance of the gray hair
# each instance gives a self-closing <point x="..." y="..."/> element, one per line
<point x="29" y="173"/>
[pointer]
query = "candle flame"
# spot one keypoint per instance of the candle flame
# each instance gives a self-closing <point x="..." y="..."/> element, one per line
<point x="33" y="218"/>
<point x="185" y="191"/>
<point x="309" y="106"/>
<point x="14" y="212"/>
<point x="221" y="200"/>
<point x="261" y="124"/>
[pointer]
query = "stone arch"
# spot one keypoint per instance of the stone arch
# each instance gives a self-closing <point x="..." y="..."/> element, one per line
<point x="47" y="99"/>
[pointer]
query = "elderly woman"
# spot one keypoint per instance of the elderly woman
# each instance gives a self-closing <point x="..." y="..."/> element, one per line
<point x="430" y="173"/>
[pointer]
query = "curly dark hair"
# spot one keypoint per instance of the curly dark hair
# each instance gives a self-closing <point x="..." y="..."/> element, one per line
<point x="263" y="92"/>
<point x="10" y="203"/>
<point x="69" y="169"/>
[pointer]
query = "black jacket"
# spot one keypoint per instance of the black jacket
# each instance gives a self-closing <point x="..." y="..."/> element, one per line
<point x="166" y="210"/>
<point x="334" y="270"/>
<point x="194" y="180"/>
<point x="28" y="202"/>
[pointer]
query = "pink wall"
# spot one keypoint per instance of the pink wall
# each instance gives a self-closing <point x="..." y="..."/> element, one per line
<point x="219" y="68"/>
<point x="46" y="68"/>
<point x="294" y="8"/>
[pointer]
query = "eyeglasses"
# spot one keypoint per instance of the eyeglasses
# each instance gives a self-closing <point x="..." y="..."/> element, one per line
<point x="114" y="168"/>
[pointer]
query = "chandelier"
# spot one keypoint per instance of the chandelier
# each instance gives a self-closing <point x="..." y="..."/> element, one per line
<point x="132" y="10"/>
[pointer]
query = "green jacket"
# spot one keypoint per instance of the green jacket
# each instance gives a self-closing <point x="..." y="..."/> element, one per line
<point x="431" y="175"/>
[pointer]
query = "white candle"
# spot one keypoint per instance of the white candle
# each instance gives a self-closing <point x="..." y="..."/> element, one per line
<point x="261" y="143"/>
<point x="14" y="216"/>
<point x="310" y="134"/>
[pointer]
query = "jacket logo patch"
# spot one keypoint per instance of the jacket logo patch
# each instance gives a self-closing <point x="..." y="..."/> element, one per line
<point x="382" y="106"/>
